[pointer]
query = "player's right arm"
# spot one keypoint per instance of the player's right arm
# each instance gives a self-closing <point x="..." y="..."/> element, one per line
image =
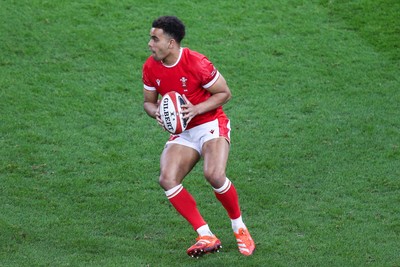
<point x="151" y="103"/>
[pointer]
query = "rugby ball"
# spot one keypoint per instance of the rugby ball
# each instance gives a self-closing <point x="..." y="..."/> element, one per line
<point x="170" y="112"/>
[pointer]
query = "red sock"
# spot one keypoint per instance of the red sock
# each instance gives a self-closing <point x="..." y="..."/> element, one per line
<point x="228" y="196"/>
<point x="185" y="204"/>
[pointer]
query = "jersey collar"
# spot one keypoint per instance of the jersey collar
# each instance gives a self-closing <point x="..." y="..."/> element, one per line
<point x="176" y="63"/>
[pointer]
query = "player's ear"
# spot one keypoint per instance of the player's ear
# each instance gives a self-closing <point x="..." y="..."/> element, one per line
<point x="172" y="43"/>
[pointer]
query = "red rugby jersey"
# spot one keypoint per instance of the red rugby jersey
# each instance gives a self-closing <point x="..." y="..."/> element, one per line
<point x="191" y="75"/>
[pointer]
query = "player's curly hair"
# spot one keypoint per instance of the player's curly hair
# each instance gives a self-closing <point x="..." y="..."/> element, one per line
<point x="172" y="26"/>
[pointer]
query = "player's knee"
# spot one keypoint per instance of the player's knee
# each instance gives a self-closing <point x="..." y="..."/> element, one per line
<point x="163" y="181"/>
<point x="167" y="182"/>
<point x="215" y="176"/>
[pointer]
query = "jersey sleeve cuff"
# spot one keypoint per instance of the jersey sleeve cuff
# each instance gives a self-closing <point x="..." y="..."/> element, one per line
<point x="150" y="88"/>
<point x="208" y="85"/>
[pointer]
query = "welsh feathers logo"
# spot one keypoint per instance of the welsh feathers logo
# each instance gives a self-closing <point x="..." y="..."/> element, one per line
<point x="183" y="80"/>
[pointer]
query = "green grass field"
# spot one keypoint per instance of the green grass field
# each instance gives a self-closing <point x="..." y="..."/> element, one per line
<point x="315" y="143"/>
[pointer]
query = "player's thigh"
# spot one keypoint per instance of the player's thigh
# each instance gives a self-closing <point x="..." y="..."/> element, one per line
<point x="176" y="162"/>
<point x="215" y="153"/>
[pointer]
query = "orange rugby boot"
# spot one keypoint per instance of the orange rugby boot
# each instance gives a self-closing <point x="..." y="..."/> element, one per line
<point x="245" y="242"/>
<point x="204" y="245"/>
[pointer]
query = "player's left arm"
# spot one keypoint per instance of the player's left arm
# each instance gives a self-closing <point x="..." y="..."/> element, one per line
<point x="220" y="94"/>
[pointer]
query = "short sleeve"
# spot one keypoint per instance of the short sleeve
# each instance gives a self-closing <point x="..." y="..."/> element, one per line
<point x="146" y="78"/>
<point x="209" y="74"/>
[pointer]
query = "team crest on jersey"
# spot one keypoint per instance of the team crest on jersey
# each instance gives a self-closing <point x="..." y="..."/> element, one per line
<point x="158" y="81"/>
<point x="183" y="80"/>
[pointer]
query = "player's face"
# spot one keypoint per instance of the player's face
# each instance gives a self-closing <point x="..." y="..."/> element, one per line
<point x="159" y="44"/>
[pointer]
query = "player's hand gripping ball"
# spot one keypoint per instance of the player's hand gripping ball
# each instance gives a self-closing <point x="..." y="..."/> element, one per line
<point x="170" y="112"/>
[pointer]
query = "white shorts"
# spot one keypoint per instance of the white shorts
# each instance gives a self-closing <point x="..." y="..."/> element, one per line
<point x="197" y="136"/>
